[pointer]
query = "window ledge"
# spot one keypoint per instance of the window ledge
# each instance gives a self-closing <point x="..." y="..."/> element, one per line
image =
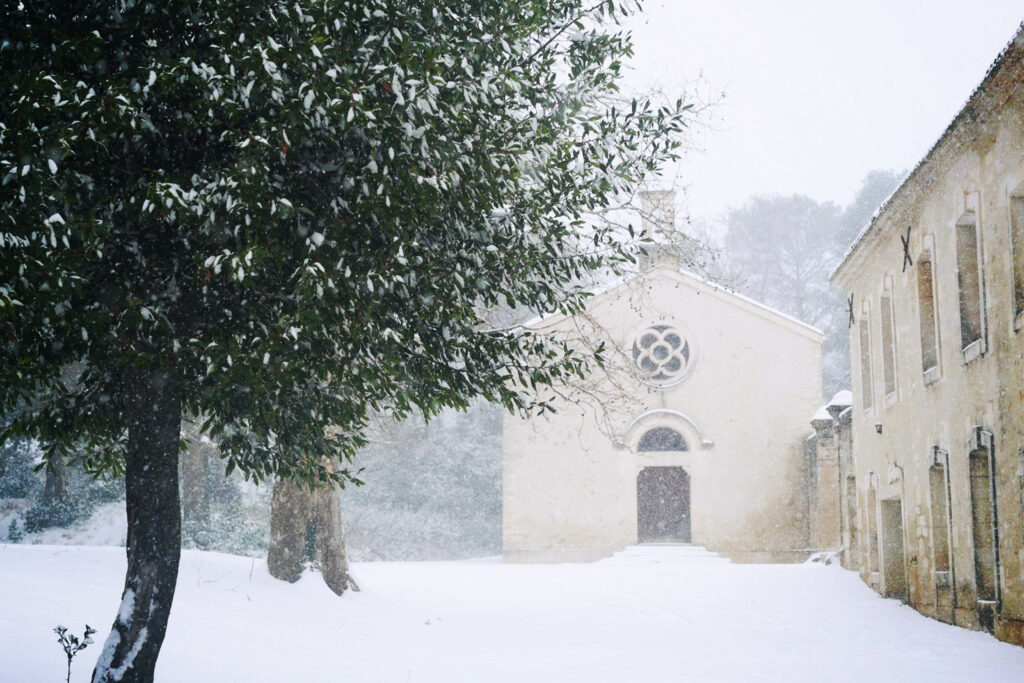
<point x="891" y="398"/>
<point x="931" y="375"/>
<point x="1018" y="321"/>
<point x="976" y="349"/>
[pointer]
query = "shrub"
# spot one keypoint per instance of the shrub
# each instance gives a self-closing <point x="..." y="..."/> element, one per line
<point x="44" y="515"/>
<point x="17" y="478"/>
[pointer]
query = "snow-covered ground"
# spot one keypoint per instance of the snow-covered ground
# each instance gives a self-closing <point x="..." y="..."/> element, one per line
<point x="657" y="613"/>
<point x="107" y="525"/>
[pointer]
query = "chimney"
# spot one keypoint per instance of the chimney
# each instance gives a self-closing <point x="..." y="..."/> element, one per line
<point x="658" y="214"/>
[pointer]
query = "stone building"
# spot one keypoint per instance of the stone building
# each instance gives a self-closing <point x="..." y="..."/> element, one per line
<point x="695" y="433"/>
<point x="936" y="287"/>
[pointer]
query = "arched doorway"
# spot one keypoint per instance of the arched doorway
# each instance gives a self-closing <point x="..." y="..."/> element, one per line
<point x="663" y="505"/>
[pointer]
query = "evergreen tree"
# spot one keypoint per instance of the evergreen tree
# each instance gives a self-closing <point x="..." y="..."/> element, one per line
<point x="283" y="215"/>
<point x="17" y="476"/>
<point x="874" y="190"/>
<point x="781" y="251"/>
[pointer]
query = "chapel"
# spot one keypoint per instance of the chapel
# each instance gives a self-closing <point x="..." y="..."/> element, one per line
<point x="694" y="432"/>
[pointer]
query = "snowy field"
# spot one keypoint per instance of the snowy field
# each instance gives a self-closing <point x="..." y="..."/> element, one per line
<point x="647" y="614"/>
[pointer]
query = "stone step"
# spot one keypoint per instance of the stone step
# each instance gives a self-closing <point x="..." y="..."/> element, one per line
<point x="664" y="552"/>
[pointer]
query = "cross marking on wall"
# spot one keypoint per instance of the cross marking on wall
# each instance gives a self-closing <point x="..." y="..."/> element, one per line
<point x="907" y="261"/>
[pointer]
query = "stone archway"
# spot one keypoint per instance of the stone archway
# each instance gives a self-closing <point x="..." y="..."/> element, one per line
<point x="663" y="505"/>
<point x="664" y="418"/>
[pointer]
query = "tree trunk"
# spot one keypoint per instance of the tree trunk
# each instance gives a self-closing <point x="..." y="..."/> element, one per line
<point x="288" y="521"/>
<point x="56" y="488"/>
<point x="153" y="403"/>
<point x="195" y="473"/>
<point x="330" y="557"/>
<point x="297" y="513"/>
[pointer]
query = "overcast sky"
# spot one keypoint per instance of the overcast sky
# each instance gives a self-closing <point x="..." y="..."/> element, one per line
<point x="817" y="93"/>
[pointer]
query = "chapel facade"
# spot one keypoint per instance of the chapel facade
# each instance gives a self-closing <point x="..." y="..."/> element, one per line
<point x="694" y="433"/>
<point x="931" y="506"/>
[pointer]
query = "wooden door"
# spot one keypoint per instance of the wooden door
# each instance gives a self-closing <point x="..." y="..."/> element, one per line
<point x="663" y="505"/>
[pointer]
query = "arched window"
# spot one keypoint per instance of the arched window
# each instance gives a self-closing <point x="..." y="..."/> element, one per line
<point x="664" y="430"/>
<point x="662" y="439"/>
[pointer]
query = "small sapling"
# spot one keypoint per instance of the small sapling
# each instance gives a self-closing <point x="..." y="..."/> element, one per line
<point x="71" y="644"/>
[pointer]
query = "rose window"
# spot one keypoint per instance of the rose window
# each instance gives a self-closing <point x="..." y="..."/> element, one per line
<point x="662" y="354"/>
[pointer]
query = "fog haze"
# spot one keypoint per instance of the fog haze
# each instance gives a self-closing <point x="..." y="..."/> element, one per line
<point x="817" y="94"/>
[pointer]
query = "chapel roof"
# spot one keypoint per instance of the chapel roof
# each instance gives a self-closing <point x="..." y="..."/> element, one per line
<point x="695" y="280"/>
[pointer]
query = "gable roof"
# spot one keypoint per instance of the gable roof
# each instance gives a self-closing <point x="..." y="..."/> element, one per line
<point x="696" y="282"/>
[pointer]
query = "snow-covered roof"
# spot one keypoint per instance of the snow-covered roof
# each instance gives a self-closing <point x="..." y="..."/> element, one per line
<point x="715" y="287"/>
<point x="961" y="115"/>
<point x="595" y="292"/>
<point x="753" y="302"/>
<point x="842" y="399"/>
<point x="822" y="414"/>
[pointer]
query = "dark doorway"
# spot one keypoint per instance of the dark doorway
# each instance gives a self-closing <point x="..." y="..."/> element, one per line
<point x="983" y="518"/>
<point x="893" y="555"/>
<point x="663" y="505"/>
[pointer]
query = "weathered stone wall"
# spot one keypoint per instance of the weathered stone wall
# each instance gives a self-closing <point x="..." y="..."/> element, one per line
<point x="829" y="465"/>
<point x="913" y="446"/>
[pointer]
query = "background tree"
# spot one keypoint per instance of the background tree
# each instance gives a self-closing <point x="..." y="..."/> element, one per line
<point x="285" y="215"/>
<point x="305" y="524"/>
<point x="781" y="250"/>
<point x="433" y="490"/>
<point x="874" y="189"/>
<point x="196" y="460"/>
<point x="17" y="478"/>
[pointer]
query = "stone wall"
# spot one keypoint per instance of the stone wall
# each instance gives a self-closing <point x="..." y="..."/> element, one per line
<point x="937" y="353"/>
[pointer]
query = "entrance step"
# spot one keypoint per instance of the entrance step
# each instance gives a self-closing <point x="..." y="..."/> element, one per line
<point x="664" y="552"/>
